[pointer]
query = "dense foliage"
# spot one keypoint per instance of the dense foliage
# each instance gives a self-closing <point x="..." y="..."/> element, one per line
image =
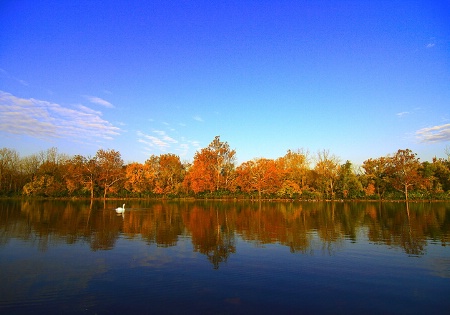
<point x="214" y="174"/>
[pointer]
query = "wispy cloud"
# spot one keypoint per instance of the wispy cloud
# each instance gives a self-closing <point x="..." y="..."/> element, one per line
<point x="158" y="140"/>
<point x="401" y="114"/>
<point x="434" y="134"/>
<point x="5" y="74"/>
<point x="198" y="118"/>
<point x="88" y="110"/>
<point x="161" y="141"/>
<point x="42" y="119"/>
<point x="99" y="101"/>
<point x="164" y="136"/>
<point x="431" y="43"/>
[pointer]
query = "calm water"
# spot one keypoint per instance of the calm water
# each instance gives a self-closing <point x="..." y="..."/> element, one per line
<point x="224" y="258"/>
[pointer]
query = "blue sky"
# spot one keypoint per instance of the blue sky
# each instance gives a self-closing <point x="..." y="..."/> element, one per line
<point x="361" y="79"/>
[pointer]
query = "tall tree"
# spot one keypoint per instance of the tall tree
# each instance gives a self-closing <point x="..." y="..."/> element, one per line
<point x="261" y="175"/>
<point x="110" y="164"/>
<point x="201" y="174"/>
<point x="376" y="172"/>
<point x="348" y="184"/>
<point x="83" y="174"/>
<point x="9" y="170"/>
<point x="296" y="167"/>
<point x="169" y="174"/>
<point x="224" y="162"/>
<point x="136" y="179"/>
<point x="403" y="170"/>
<point x="327" y="169"/>
<point x="441" y="174"/>
<point x="50" y="176"/>
<point x="213" y="167"/>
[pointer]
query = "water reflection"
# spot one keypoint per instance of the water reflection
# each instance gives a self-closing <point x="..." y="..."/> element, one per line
<point x="213" y="227"/>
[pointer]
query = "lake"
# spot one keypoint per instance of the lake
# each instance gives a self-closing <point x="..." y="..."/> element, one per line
<point x="224" y="257"/>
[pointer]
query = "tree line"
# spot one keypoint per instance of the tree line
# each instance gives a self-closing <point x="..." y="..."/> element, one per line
<point x="214" y="174"/>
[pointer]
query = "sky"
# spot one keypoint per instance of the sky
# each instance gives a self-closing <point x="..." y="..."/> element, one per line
<point x="361" y="79"/>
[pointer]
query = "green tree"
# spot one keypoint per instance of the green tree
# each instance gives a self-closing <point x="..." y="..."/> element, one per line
<point x="348" y="184"/>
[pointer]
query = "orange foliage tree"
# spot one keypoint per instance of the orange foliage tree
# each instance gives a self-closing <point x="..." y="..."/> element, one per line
<point x="376" y="172"/>
<point x="137" y="178"/>
<point x="261" y="175"/>
<point x="111" y="171"/>
<point x="169" y="174"/>
<point x="403" y="169"/>
<point x="82" y="174"/>
<point x="213" y="168"/>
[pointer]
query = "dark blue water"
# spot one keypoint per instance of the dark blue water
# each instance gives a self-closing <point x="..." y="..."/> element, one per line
<point x="224" y="258"/>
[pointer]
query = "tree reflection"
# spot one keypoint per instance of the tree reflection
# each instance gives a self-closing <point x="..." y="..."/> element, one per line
<point x="213" y="227"/>
<point x="210" y="232"/>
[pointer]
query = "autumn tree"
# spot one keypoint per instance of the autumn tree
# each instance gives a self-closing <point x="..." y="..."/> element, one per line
<point x="293" y="169"/>
<point x="224" y="162"/>
<point x="403" y="170"/>
<point x="29" y="166"/>
<point x="261" y="175"/>
<point x="136" y="178"/>
<point x="111" y="171"/>
<point x="83" y="174"/>
<point x="9" y="171"/>
<point x="49" y="178"/>
<point x="348" y="184"/>
<point x="327" y="169"/>
<point x="201" y="174"/>
<point x="295" y="166"/>
<point x="167" y="173"/>
<point x="212" y="168"/>
<point x="376" y="171"/>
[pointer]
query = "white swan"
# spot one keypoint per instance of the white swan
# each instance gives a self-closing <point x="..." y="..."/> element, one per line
<point x="121" y="210"/>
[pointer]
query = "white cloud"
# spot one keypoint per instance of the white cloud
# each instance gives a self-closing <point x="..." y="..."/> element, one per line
<point x="164" y="136"/>
<point x="198" y="118"/>
<point x="152" y="141"/>
<point x="88" y="110"/>
<point x="42" y="119"/>
<point x="434" y="134"/>
<point x="99" y="101"/>
<point x="401" y="114"/>
<point x="430" y="45"/>
<point x="164" y="143"/>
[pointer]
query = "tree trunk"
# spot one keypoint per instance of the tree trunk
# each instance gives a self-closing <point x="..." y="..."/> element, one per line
<point x="92" y="189"/>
